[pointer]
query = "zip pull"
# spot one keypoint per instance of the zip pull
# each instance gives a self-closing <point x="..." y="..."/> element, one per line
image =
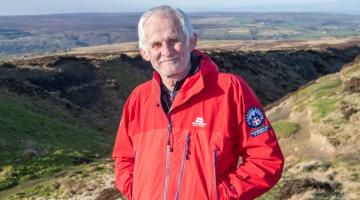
<point x="172" y="95"/>
<point x="187" y="141"/>
<point x="169" y="133"/>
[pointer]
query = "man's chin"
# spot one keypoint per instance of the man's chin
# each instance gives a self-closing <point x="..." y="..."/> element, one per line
<point x="169" y="74"/>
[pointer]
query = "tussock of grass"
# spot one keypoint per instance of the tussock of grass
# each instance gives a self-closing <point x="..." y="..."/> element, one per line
<point x="284" y="129"/>
<point x="8" y="177"/>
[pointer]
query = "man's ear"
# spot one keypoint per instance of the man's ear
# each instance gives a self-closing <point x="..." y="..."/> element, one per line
<point x="193" y="41"/>
<point x="144" y="54"/>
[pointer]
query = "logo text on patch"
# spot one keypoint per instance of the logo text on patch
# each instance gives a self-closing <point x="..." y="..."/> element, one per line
<point x="199" y="122"/>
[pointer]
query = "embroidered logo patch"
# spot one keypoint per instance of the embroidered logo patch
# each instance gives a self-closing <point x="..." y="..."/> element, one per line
<point x="254" y="117"/>
<point x="199" y="122"/>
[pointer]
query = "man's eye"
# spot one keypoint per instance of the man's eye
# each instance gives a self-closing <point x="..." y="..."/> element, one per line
<point x="156" y="45"/>
<point x="173" y="41"/>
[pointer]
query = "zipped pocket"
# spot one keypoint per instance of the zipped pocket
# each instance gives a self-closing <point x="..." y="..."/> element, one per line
<point x="186" y="150"/>
<point x="133" y="180"/>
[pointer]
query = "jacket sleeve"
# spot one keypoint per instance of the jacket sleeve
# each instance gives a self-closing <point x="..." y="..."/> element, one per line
<point x="123" y="155"/>
<point x="262" y="159"/>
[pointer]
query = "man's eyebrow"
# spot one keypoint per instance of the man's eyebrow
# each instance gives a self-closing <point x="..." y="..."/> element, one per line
<point x="175" y="37"/>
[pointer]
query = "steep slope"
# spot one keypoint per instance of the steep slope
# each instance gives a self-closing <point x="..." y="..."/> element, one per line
<point x="322" y="155"/>
<point x="58" y="115"/>
<point x="282" y="72"/>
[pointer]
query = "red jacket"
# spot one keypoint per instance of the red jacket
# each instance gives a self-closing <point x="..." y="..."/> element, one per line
<point x="193" y="151"/>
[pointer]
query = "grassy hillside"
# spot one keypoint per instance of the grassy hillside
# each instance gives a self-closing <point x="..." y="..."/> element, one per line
<point x="53" y="133"/>
<point x="38" y="140"/>
<point x="322" y="154"/>
<point x="59" y="116"/>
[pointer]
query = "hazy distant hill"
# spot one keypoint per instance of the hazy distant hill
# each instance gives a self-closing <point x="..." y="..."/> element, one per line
<point x="47" y="33"/>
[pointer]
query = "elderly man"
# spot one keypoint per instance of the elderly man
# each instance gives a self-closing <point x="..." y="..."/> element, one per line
<point x="191" y="132"/>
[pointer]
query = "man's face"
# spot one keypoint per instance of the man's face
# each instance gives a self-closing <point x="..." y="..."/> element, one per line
<point x="166" y="48"/>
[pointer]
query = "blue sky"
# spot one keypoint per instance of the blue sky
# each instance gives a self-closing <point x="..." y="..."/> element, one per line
<point x="26" y="7"/>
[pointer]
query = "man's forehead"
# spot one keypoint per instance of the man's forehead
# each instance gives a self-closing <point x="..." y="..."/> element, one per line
<point x="161" y="20"/>
<point x="159" y="26"/>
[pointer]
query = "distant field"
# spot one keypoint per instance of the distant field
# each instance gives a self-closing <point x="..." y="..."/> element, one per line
<point x="222" y="45"/>
<point x="50" y="33"/>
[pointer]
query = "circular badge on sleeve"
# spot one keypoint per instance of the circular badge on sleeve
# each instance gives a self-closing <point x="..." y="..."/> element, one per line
<point x="254" y="117"/>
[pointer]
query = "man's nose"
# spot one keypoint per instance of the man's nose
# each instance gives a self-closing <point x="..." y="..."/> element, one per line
<point x="167" y="49"/>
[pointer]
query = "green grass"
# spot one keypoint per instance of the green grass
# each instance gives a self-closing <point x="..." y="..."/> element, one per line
<point x="327" y="87"/>
<point x="310" y="35"/>
<point x="46" y="190"/>
<point x="324" y="107"/>
<point x="57" y="139"/>
<point x="326" y="95"/>
<point x="323" y="96"/>
<point x="50" y="188"/>
<point x="284" y="129"/>
<point x="127" y="76"/>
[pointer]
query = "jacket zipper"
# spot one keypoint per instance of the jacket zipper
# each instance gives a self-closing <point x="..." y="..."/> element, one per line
<point x="215" y="181"/>
<point x="168" y="150"/>
<point x="186" y="150"/>
<point x="133" y="180"/>
<point x="168" y="146"/>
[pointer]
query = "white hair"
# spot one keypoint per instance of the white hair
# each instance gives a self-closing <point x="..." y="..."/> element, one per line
<point x="167" y="10"/>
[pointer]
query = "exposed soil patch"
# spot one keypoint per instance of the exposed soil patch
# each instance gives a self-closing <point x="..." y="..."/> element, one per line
<point x="108" y="194"/>
<point x="298" y="186"/>
<point x="348" y="110"/>
<point x="81" y="160"/>
<point x="352" y="86"/>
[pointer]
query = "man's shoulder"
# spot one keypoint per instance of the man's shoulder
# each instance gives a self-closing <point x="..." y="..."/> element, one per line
<point x="228" y="78"/>
<point x="226" y="75"/>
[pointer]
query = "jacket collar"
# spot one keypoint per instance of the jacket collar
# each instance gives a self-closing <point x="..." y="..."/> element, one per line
<point x="192" y="84"/>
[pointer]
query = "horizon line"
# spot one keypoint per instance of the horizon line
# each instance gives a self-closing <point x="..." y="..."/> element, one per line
<point x="189" y="12"/>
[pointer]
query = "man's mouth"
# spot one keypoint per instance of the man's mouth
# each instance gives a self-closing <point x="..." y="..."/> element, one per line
<point x="168" y="60"/>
